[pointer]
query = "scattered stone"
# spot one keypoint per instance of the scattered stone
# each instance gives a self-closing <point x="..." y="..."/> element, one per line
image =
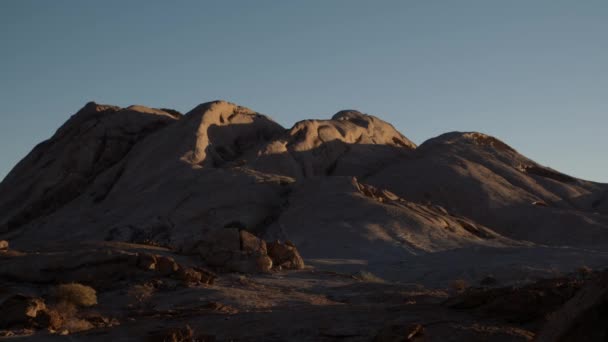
<point x="146" y="261"/>
<point x="231" y="250"/>
<point x="166" y="265"/>
<point x="400" y="332"/>
<point x="285" y="255"/>
<point x="251" y="244"/>
<point x="195" y="276"/>
<point x="221" y="308"/>
<point x="20" y="310"/>
<point x="413" y="331"/>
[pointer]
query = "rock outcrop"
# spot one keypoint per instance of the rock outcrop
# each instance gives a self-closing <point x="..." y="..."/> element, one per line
<point x="20" y="310"/>
<point x="155" y="177"/>
<point x="484" y="179"/>
<point x="232" y="250"/>
<point x="285" y="255"/>
<point x="60" y="169"/>
<point x="582" y="318"/>
<point x="350" y="144"/>
<point x="148" y="204"/>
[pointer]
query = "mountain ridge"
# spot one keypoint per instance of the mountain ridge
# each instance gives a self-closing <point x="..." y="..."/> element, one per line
<point x="113" y="159"/>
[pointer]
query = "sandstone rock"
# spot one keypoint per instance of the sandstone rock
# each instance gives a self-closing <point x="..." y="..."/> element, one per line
<point x="59" y="169"/>
<point x="401" y="332"/>
<point x="285" y="255"/>
<point x="247" y="263"/>
<point x="44" y="320"/>
<point x="146" y="261"/>
<point x="166" y="266"/>
<point x="20" y="310"/>
<point x="583" y="317"/>
<point x="103" y="267"/>
<point x="190" y="275"/>
<point x="540" y="204"/>
<point x="223" y="163"/>
<point x="521" y="305"/>
<point x="235" y="251"/>
<point x="251" y="244"/>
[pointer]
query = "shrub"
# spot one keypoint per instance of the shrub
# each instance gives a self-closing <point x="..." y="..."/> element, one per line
<point x="141" y="293"/>
<point x="459" y="285"/>
<point x="76" y="294"/>
<point x="367" y="277"/>
<point x="75" y="324"/>
<point x="584" y="271"/>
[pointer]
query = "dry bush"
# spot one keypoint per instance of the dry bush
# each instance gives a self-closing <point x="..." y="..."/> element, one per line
<point x="459" y="285"/>
<point x="75" y="324"/>
<point x="76" y="294"/>
<point x="64" y="316"/>
<point x="584" y="271"/>
<point x="141" y="293"/>
<point x="368" y="277"/>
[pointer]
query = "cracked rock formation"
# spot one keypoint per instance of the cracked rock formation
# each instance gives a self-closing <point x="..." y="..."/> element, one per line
<point x="156" y="177"/>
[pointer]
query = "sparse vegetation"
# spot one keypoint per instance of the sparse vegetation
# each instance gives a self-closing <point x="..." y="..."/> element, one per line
<point x="584" y="271"/>
<point x="64" y="316"/>
<point x="459" y="285"/>
<point x="76" y="294"/>
<point x="141" y="292"/>
<point x="368" y="277"/>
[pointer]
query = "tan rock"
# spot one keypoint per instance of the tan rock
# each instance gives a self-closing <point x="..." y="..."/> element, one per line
<point x="190" y="275"/>
<point x="252" y="244"/>
<point x="146" y="261"/>
<point x="285" y="255"/>
<point x="166" y="266"/>
<point x="20" y="310"/>
<point x="583" y="317"/>
<point x="231" y="250"/>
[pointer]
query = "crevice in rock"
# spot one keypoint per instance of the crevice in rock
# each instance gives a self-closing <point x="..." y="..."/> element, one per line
<point x="547" y="173"/>
<point x="261" y="227"/>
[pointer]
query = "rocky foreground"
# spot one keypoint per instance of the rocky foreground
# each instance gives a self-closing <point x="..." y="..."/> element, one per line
<point x="145" y="224"/>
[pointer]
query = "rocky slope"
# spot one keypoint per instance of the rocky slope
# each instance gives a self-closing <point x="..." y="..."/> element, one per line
<point x="140" y="174"/>
<point x="226" y="188"/>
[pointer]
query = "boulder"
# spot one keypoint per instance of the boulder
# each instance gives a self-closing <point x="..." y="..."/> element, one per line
<point x="20" y="310"/>
<point x="146" y="261"/>
<point x="195" y="276"/>
<point x="251" y="244"/>
<point x="166" y="265"/>
<point x="285" y="255"/>
<point x="235" y="251"/>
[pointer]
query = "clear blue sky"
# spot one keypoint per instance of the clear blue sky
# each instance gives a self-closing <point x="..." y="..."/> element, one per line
<point x="533" y="73"/>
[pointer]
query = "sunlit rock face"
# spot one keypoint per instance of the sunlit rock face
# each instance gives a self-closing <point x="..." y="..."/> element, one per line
<point x="139" y="174"/>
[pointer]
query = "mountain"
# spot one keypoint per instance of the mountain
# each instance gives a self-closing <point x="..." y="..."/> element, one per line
<point x="118" y="188"/>
<point x="135" y="174"/>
